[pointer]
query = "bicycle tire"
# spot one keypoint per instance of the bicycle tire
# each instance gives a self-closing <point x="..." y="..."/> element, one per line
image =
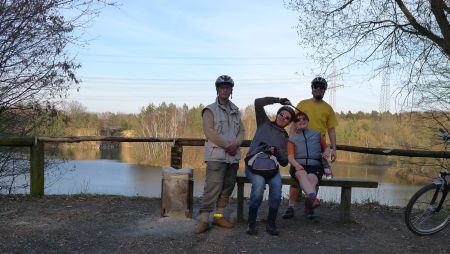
<point x="421" y="216"/>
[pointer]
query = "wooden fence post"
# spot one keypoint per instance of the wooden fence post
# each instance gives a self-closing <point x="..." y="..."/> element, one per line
<point x="345" y="207"/>
<point x="176" y="155"/>
<point x="37" y="169"/>
<point x="240" y="201"/>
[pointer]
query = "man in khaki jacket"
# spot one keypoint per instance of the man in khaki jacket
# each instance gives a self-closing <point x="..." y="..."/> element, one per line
<point x="224" y="132"/>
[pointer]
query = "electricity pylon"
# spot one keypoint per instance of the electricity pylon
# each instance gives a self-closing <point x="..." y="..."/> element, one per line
<point x="332" y="88"/>
<point x="385" y="94"/>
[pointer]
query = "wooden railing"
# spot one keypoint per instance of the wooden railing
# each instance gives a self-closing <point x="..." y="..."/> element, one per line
<point x="37" y="154"/>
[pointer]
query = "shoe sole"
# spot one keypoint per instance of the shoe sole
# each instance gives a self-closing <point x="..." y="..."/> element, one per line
<point x="288" y="215"/>
<point x="222" y="226"/>
<point x="195" y="232"/>
<point x="272" y="233"/>
<point x="312" y="216"/>
<point x="252" y="232"/>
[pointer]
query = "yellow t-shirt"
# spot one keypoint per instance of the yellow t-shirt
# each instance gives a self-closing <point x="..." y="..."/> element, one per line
<point x="321" y="115"/>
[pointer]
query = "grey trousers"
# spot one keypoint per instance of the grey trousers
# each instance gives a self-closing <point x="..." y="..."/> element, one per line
<point x="219" y="184"/>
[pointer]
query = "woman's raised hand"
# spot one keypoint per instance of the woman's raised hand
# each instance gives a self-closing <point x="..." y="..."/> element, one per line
<point x="285" y="101"/>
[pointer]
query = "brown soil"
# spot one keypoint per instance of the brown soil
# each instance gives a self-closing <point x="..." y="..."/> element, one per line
<point x="109" y="224"/>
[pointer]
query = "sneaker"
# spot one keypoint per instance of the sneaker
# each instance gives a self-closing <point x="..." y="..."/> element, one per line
<point x="221" y="222"/>
<point x="201" y="227"/>
<point x="312" y="202"/>
<point x="289" y="213"/>
<point x="328" y="174"/>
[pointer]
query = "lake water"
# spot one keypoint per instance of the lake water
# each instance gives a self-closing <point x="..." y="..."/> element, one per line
<point x="118" y="178"/>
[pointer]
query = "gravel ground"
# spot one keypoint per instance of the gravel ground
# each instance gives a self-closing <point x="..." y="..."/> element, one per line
<point x="111" y="224"/>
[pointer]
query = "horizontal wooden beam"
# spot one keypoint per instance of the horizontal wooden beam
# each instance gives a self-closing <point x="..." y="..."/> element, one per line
<point x="397" y="152"/>
<point x="17" y="141"/>
<point x="28" y="141"/>
<point x="334" y="182"/>
<point x="346" y="192"/>
<point x="78" y="139"/>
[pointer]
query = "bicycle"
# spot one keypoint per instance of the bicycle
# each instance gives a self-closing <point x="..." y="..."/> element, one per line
<point x="428" y="210"/>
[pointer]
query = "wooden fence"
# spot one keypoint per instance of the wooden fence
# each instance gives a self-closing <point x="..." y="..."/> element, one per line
<point x="37" y="154"/>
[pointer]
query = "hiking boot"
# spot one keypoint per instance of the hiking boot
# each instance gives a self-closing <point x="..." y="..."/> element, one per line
<point x="271" y="228"/>
<point x="289" y="213"/>
<point x="251" y="229"/>
<point x="221" y="222"/>
<point x="252" y="213"/>
<point x="201" y="227"/>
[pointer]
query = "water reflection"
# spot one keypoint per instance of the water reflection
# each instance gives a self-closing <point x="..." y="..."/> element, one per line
<point x="123" y="172"/>
<point x="117" y="178"/>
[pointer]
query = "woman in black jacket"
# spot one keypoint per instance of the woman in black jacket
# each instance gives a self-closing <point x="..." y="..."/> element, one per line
<point x="270" y="138"/>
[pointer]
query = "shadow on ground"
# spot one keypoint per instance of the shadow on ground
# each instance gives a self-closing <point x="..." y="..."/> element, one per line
<point x="105" y="224"/>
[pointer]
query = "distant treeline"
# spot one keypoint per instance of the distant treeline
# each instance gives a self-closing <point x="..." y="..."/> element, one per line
<point x="411" y="130"/>
<point x="399" y="130"/>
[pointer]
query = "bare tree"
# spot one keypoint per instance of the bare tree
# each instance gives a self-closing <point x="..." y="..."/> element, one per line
<point x="410" y="37"/>
<point x="36" y="69"/>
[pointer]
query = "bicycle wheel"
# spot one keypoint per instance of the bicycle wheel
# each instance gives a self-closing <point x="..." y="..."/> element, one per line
<point x="421" y="214"/>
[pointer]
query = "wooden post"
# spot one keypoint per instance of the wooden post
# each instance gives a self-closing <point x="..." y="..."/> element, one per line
<point x="240" y="201"/>
<point x="162" y="210"/>
<point x="176" y="155"/>
<point x="190" y="200"/>
<point x="37" y="169"/>
<point x="346" y="201"/>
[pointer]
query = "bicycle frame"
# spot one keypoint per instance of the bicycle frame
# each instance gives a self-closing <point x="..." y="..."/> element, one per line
<point x="423" y="216"/>
<point x="441" y="181"/>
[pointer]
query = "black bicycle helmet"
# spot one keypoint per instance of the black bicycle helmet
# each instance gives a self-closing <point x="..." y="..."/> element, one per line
<point x="320" y="81"/>
<point x="224" y="80"/>
<point x="288" y="109"/>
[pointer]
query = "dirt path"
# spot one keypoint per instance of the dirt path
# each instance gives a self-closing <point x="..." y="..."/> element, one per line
<point x="105" y="224"/>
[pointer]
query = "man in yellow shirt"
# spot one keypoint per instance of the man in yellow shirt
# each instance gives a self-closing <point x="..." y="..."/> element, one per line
<point x="321" y="118"/>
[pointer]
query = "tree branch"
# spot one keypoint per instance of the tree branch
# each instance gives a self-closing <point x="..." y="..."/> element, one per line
<point x="421" y="29"/>
<point x="437" y="7"/>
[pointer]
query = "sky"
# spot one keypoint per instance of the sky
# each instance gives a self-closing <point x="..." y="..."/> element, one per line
<point x="144" y="52"/>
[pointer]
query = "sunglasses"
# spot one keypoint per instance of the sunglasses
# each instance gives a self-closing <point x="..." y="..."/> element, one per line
<point x="287" y="118"/>
<point x="319" y="86"/>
